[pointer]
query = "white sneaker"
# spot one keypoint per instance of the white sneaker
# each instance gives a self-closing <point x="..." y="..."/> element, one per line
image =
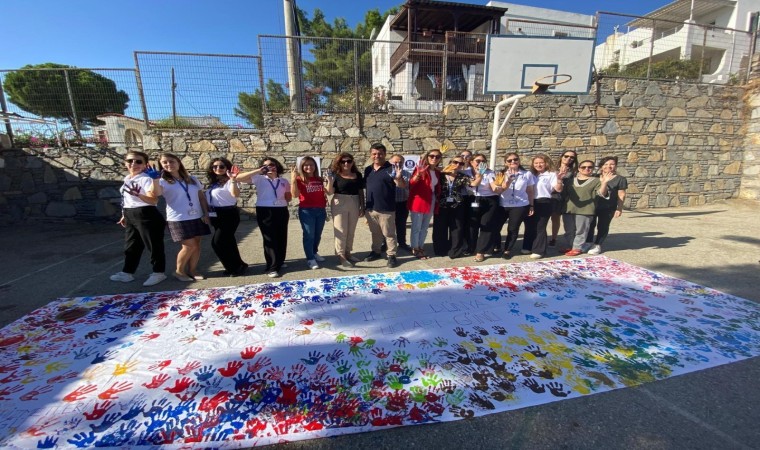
<point x="536" y="256"/>
<point x="312" y="264"/>
<point x="273" y="274"/>
<point x="595" y="250"/>
<point x="123" y="277"/>
<point x="319" y="258"/>
<point x="154" y="278"/>
<point x="586" y="246"/>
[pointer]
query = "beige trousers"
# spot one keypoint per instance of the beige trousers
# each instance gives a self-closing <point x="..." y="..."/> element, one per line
<point x="345" y="214"/>
<point x="382" y="225"/>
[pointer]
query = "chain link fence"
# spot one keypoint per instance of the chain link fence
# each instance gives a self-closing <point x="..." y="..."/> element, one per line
<point x="68" y="106"/>
<point x="196" y="90"/>
<point x="643" y="47"/>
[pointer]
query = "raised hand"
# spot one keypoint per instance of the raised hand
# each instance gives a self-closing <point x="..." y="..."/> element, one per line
<point x="233" y="173"/>
<point x="499" y="179"/>
<point x="152" y="171"/>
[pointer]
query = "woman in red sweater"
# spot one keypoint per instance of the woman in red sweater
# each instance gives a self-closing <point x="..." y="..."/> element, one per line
<point x="424" y="190"/>
<point x="308" y="186"/>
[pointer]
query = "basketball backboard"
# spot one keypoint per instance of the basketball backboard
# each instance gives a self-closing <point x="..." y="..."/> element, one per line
<point x="515" y="62"/>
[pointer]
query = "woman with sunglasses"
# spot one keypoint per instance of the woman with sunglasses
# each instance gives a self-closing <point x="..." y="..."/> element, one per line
<point x="471" y="236"/>
<point x="143" y="223"/>
<point x="272" y="198"/>
<point x="346" y="184"/>
<point x="580" y="193"/>
<point x="484" y="221"/>
<point x="547" y="184"/>
<point x="308" y="186"/>
<point x="516" y="200"/>
<point x="449" y="226"/>
<point x="607" y="209"/>
<point x="424" y="189"/>
<point x="185" y="214"/>
<point x="223" y="214"/>
<point x="567" y="167"/>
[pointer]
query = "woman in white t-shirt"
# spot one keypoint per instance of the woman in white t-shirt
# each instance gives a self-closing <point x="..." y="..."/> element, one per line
<point x="185" y="207"/>
<point x="485" y="207"/>
<point x="272" y="198"/>
<point x="548" y="185"/>
<point x="143" y="223"/>
<point x="221" y="198"/>
<point x="516" y="200"/>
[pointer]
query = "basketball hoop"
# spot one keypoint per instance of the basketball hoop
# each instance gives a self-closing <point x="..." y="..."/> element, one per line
<point x="541" y="87"/>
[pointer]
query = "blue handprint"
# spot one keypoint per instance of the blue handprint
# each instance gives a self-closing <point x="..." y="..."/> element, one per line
<point x="48" y="442"/>
<point x="82" y="440"/>
<point x="152" y="172"/>
<point x="205" y="373"/>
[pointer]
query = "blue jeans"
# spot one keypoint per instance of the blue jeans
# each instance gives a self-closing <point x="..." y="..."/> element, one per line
<point x="312" y="223"/>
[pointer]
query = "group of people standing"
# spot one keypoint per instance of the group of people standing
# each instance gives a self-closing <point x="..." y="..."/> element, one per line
<point x="468" y="203"/>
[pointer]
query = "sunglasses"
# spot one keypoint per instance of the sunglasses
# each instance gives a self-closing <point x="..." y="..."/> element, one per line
<point x="568" y="156"/>
<point x="135" y="161"/>
<point x="346" y="161"/>
<point x="458" y="163"/>
<point x="219" y="166"/>
<point x="513" y="160"/>
<point x="434" y="156"/>
<point x="586" y="167"/>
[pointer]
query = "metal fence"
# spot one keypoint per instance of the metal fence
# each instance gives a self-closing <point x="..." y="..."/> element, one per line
<point x="196" y="90"/>
<point x="643" y="47"/>
<point x="66" y="106"/>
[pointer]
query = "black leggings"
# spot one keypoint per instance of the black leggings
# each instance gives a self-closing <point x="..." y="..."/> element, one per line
<point x="144" y="229"/>
<point x="513" y="216"/>
<point x="601" y="222"/>
<point x="273" y="223"/>
<point x="223" y="242"/>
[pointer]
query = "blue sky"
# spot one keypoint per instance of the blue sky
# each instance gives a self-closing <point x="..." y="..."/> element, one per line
<point x="105" y="33"/>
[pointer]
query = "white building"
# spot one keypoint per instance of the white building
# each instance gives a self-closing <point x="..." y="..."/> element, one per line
<point x="407" y="56"/>
<point x="716" y="30"/>
<point x="120" y="130"/>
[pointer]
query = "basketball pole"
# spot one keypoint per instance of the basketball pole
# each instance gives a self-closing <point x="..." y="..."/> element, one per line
<point x="498" y="126"/>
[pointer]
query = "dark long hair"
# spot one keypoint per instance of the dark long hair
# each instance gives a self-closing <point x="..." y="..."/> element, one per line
<point x="213" y="178"/>
<point x="278" y="165"/>
<point x="335" y="166"/>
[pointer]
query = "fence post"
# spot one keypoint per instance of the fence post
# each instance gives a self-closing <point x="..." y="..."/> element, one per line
<point x="651" y="49"/>
<point x="138" y="78"/>
<point x="445" y="70"/>
<point x="357" y="93"/>
<point x="4" y="109"/>
<point x="71" y="103"/>
<point x="702" y="56"/>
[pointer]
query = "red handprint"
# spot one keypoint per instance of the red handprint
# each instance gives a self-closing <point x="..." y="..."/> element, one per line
<point x="157" y="381"/>
<point x="161" y="365"/>
<point x="36" y="429"/>
<point x="189" y="367"/>
<point x="8" y="368"/>
<point x="249" y="313"/>
<point x="307" y="322"/>
<point x="59" y="378"/>
<point x="149" y="337"/>
<point x="218" y="332"/>
<point x="250" y="352"/>
<point x="259" y="364"/>
<point x="254" y="426"/>
<point x="180" y="385"/>
<point x="98" y="411"/>
<point x="110" y="393"/>
<point x="209" y="405"/>
<point x="32" y="395"/>
<point x="79" y="393"/>
<point x="231" y="369"/>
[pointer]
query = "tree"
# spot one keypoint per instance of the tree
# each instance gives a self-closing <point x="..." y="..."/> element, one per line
<point x="250" y="106"/>
<point x="44" y="93"/>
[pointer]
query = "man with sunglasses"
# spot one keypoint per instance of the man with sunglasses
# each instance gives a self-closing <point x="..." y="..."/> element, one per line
<point x="382" y="178"/>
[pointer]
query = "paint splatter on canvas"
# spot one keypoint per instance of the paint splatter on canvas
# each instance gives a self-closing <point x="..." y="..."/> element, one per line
<point x="258" y="364"/>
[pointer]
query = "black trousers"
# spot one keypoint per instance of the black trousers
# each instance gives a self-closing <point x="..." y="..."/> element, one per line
<point x="513" y="216"/>
<point x="273" y="223"/>
<point x="145" y="228"/>
<point x="471" y="229"/>
<point x="601" y="222"/>
<point x="402" y="213"/>
<point x="223" y="242"/>
<point x="485" y="219"/>
<point x="535" y="238"/>
<point x="449" y="232"/>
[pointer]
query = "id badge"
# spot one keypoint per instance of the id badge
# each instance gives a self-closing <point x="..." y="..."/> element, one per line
<point x="192" y="212"/>
<point x="475" y="204"/>
<point x="449" y="199"/>
<point x="212" y="214"/>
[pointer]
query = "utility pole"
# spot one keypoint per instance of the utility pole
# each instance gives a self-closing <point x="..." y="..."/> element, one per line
<point x="295" y="84"/>
<point x="174" y="100"/>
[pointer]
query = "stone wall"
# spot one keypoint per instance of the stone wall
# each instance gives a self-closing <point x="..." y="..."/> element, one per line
<point x="750" y="186"/>
<point x="678" y="144"/>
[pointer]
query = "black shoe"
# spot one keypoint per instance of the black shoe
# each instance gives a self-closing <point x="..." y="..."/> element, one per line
<point x="384" y="247"/>
<point x="552" y="242"/>
<point x="372" y="257"/>
<point x="392" y="262"/>
<point x="406" y="247"/>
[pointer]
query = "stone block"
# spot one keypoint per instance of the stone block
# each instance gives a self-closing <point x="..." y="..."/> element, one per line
<point x="237" y="146"/>
<point x="451" y="113"/>
<point x="477" y="145"/>
<point x="431" y="144"/>
<point x="624" y="139"/>
<point x="475" y="112"/>
<point x="602" y="112"/>
<point x="698" y="102"/>
<point x="598" y="141"/>
<point x="549" y="141"/>
<point x="565" y="111"/>
<point x="328" y="146"/>
<point x="523" y="143"/>
<point x="179" y="145"/>
<point x="681" y="127"/>
<point x="641" y="172"/>
<point x="660" y="139"/>
<point x="642" y="202"/>
<point x="733" y="169"/>
<point x="72" y="193"/>
<point x="277" y="137"/>
<point x="572" y="142"/>
<point x="105" y="209"/>
<point x="642" y="140"/>
<point x="304" y="134"/>
<point x="530" y="129"/>
<point x="573" y="127"/>
<point x="353" y="132"/>
<point x="422" y="132"/>
<point x="611" y="127"/>
<point x="529" y="113"/>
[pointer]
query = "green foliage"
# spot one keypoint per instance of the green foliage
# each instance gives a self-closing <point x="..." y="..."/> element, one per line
<point x="169" y="123"/>
<point x="44" y="93"/>
<point x="250" y="105"/>
<point x="667" y="69"/>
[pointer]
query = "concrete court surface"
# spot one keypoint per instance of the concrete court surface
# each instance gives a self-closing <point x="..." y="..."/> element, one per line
<point x="716" y="245"/>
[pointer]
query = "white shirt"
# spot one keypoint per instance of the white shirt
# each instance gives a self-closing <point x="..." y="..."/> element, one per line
<point x="270" y="192"/>
<point x="484" y="189"/>
<point x="181" y="204"/>
<point x="132" y="201"/>
<point x="516" y="194"/>
<point x="545" y="184"/>
<point x="220" y="195"/>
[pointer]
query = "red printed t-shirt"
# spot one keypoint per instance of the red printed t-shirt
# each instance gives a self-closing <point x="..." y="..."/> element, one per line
<point x="311" y="194"/>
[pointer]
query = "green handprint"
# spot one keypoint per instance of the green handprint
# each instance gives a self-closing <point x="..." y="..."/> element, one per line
<point x="362" y="363"/>
<point x="431" y="380"/>
<point x="394" y="382"/>
<point x="355" y="351"/>
<point x="341" y="337"/>
<point x="401" y="356"/>
<point x="343" y="367"/>
<point x="417" y="394"/>
<point x="423" y="359"/>
<point x="365" y="376"/>
<point x="269" y="323"/>
<point x="369" y="343"/>
<point x="455" y="398"/>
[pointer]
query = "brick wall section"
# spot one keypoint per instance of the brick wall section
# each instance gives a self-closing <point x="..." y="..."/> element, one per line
<point x="678" y="144"/>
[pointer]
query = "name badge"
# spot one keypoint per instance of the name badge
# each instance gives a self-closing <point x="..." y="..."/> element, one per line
<point x="449" y="199"/>
<point x="212" y="214"/>
<point x="192" y="212"/>
<point x="475" y="204"/>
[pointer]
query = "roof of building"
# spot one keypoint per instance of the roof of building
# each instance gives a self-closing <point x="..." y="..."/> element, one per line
<point x="446" y="16"/>
<point x="680" y="10"/>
